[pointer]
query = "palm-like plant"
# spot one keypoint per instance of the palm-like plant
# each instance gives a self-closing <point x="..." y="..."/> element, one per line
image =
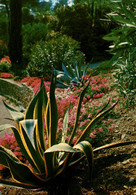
<point x="49" y="161"/>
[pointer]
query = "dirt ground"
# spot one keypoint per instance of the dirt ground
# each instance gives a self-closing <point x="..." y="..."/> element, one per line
<point x="114" y="169"/>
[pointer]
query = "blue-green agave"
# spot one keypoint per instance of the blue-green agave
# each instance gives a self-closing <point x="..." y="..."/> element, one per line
<point x="52" y="160"/>
<point x="72" y="75"/>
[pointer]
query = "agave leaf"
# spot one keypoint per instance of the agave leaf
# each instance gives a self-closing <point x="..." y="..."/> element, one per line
<point x="21" y="145"/>
<point x="15" y="184"/>
<point x="5" y="126"/>
<point x="53" y="118"/>
<point x="51" y="164"/>
<point x="68" y="70"/>
<point x="38" y="114"/>
<point x="50" y="157"/>
<point x="77" y="113"/>
<point x="103" y="108"/>
<point x="30" y="109"/>
<point x="3" y="160"/>
<point x="21" y="172"/>
<point x="27" y="130"/>
<point x="29" y="127"/>
<point x="46" y="116"/>
<point x="61" y="147"/>
<point x="113" y="145"/>
<point x="16" y="115"/>
<point x="65" y="125"/>
<point x="62" y="84"/>
<point x="93" y="121"/>
<point x="87" y="149"/>
<point x="77" y="72"/>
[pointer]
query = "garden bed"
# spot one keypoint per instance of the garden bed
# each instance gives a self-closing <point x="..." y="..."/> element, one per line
<point x="114" y="169"/>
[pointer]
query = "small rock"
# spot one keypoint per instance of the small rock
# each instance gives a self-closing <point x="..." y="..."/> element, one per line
<point x="131" y="179"/>
<point x="125" y="162"/>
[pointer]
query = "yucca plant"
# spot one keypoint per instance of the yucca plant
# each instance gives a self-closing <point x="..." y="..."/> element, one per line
<point x="50" y="161"/>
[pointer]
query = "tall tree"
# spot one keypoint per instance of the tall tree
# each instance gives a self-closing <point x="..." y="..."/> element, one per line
<point x="15" y="38"/>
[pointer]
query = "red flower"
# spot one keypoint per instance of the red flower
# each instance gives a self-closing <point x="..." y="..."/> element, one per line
<point x="6" y="75"/>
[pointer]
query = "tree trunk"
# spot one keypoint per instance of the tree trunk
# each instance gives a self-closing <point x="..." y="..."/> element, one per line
<point x="15" y="37"/>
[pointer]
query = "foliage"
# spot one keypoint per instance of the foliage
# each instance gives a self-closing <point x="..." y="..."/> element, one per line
<point x="48" y="158"/>
<point x="77" y="21"/>
<point x="126" y="80"/>
<point x="4" y="29"/>
<point x="123" y="37"/>
<point x="27" y="17"/>
<point x="5" y="64"/>
<point x="52" y="53"/>
<point x="124" y="47"/>
<point x="72" y="75"/>
<point x="4" y="67"/>
<point x="64" y="98"/>
<point x="32" y="34"/>
<point x="3" y="49"/>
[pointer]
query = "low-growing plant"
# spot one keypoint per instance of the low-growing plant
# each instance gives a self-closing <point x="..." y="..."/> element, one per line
<point x="50" y="161"/>
<point x="6" y="75"/>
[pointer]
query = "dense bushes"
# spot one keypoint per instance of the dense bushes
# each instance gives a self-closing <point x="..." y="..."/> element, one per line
<point x="124" y="48"/>
<point x="79" y="23"/>
<point x="52" y="53"/>
<point x="32" y="34"/>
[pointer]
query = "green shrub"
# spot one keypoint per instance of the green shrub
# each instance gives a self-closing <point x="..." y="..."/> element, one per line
<point x="83" y="23"/>
<point x="4" y="67"/>
<point x="32" y="34"/>
<point x="58" y="50"/>
<point x="3" y="49"/>
<point x="126" y="80"/>
<point x="3" y="29"/>
<point x="123" y="13"/>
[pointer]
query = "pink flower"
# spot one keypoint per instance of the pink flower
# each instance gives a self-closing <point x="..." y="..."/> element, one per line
<point x="101" y="129"/>
<point x="92" y="135"/>
<point x="6" y="75"/>
<point x="74" y="140"/>
<point x="79" y="131"/>
<point x="88" y="96"/>
<point x="90" y="115"/>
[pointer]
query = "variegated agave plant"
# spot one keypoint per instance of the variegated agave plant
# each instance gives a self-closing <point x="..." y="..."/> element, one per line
<point x="48" y="161"/>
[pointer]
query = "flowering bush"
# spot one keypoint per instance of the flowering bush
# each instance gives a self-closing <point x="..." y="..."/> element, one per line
<point x="5" y="64"/>
<point x="34" y="82"/>
<point x="6" y="75"/>
<point x="6" y="59"/>
<point x="60" y="49"/>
